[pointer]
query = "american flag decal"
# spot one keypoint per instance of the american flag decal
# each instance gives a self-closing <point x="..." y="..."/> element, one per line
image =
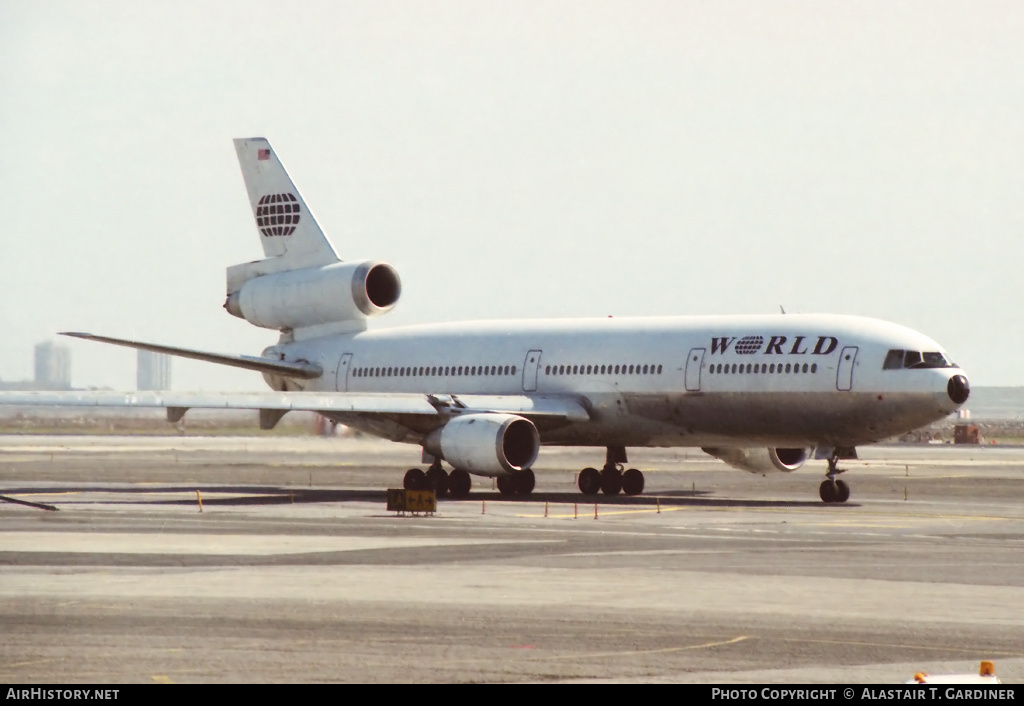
<point x="263" y="154"/>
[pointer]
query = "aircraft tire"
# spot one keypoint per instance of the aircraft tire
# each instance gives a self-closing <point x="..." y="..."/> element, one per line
<point x="415" y="479"/>
<point x="524" y="482"/>
<point x="459" y="483"/>
<point x="436" y="479"/>
<point x="632" y="482"/>
<point x="611" y="481"/>
<point x="842" y="492"/>
<point x="590" y="481"/>
<point x="827" y="491"/>
<point x="506" y="485"/>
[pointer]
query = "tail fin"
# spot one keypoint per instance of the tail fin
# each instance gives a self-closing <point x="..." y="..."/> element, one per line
<point x="286" y="226"/>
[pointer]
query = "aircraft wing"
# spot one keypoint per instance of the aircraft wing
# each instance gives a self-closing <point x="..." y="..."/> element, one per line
<point x="368" y="404"/>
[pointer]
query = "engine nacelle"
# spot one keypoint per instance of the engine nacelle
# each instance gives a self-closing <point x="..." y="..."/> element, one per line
<point x="760" y="460"/>
<point x="342" y="291"/>
<point x="486" y="444"/>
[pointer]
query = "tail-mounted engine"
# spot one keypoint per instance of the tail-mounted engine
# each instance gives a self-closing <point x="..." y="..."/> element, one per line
<point x="312" y="296"/>
<point x="486" y="444"/>
<point x="761" y="460"/>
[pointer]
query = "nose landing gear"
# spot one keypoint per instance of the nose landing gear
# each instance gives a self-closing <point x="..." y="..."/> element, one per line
<point x="832" y="490"/>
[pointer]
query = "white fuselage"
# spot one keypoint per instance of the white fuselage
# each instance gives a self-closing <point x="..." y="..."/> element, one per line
<point x="783" y="380"/>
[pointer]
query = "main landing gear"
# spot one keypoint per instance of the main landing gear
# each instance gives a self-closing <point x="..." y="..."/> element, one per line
<point x="832" y="490"/>
<point x="611" y="479"/>
<point x="518" y="483"/>
<point x="457" y="483"/>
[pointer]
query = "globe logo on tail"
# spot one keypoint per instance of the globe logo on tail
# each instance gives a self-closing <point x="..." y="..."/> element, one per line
<point x="277" y="214"/>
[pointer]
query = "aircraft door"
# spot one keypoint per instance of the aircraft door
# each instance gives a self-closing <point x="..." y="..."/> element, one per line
<point x="844" y="378"/>
<point x="530" y="366"/>
<point x="342" y="378"/>
<point x="694" y="362"/>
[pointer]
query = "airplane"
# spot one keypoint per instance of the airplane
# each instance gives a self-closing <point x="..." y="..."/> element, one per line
<point x="763" y="393"/>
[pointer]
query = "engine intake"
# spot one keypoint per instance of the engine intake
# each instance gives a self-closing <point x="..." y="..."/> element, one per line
<point x="486" y="444"/>
<point x="343" y="291"/>
<point x="759" y="460"/>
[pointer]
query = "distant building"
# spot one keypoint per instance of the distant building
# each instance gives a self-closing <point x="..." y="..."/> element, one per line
<point x="153" y="372"/>
<point x="52" y="366"/>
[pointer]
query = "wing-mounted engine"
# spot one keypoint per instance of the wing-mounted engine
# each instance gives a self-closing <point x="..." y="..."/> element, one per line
<point x="486" y="444"/>
<point x="761" y="460"/>
<point x="338" y="293"/>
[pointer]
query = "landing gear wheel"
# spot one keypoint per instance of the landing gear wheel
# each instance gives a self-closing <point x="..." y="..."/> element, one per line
<point x="523" y="482"/>
<point x="590" y="481"/>
<point x="632" y="482"/>
<point x="611" y="481"/>
<point x="415" y="479"/>
<point x="842" y="491"/>
<point x="436" y="479"/>
<point x="832" y="490"/>
<point x="505" y="485"/>
<point x="828" y="491"/>
<point x="459" y="483"/>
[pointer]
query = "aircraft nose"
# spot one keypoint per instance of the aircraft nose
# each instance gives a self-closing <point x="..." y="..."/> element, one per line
<point x="958" y="389"/>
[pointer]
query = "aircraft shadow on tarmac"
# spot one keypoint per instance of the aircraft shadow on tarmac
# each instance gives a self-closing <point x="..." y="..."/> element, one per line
<point x="277" y="495"/>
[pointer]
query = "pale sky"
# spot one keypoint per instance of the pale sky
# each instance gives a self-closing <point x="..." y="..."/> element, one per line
<point x="516" y="159"/>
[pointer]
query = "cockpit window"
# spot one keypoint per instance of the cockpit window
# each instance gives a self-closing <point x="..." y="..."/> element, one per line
<point x="898" y="358"/>
<point x="934" y="360"/>
<point x="893" y="359"/>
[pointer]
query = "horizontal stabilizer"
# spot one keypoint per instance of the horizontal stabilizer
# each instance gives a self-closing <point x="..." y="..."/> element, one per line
<point x="306" y="371"/>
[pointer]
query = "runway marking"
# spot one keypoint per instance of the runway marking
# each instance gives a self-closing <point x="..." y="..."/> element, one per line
<point x="25" y="664"/>
<point x="604" y="512"/>
<point x="928" y="648"/>
<point x="222" y="544"/>
<point x="652" y="552"/>
<point x="662" y="650"/>
<point x="162" y="679"/>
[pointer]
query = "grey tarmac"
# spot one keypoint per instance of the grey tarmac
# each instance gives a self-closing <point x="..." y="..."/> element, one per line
<point x="294" y="571"/>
